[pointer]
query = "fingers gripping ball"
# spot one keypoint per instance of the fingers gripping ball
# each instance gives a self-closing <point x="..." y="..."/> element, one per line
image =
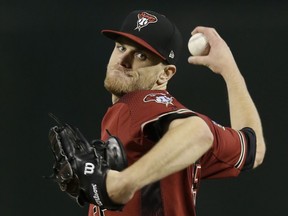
<point x="198" y="45"/>
<point x="80" y="168"/>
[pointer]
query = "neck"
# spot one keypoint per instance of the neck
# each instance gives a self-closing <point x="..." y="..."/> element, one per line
<point x="114" y="98"/>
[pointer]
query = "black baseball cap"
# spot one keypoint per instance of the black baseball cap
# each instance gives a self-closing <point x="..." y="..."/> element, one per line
<point x="153" y="31"/>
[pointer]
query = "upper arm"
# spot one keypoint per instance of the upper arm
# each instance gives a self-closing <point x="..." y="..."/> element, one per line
<point x="231" y="152"/>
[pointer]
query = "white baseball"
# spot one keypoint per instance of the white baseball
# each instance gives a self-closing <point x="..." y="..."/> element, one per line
<point x="198" y="45"/>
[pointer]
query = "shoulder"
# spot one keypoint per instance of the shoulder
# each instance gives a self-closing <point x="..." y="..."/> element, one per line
<point x="160" y="99"/>
<point x="147" y="96"/>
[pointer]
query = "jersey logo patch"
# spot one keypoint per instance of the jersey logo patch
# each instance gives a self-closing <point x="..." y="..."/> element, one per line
<point x="145" y="19"/>
<point x="158" y="98"/>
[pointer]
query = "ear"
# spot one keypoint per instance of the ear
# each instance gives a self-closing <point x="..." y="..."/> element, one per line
<point x="166" y="74"/>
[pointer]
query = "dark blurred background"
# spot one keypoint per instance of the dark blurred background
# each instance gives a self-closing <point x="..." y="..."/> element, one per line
<point x="53" y="59"/>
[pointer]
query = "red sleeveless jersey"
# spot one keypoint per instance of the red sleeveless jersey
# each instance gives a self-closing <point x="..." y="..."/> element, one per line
<point x="139" y="119"/>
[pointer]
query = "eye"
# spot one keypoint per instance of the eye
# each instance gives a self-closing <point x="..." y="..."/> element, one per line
<point x="141" y="56"/>
<point x="120" y="48"/>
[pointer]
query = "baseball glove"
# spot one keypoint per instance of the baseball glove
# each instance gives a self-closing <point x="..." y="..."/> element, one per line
<point x="80" y="168"/>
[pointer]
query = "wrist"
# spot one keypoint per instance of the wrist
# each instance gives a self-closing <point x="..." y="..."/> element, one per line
<point x="118" y="187"/>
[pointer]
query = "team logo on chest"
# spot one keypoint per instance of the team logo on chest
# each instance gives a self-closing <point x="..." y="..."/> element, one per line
<point x="159" y="98"/>
<point x="145" y="19"/>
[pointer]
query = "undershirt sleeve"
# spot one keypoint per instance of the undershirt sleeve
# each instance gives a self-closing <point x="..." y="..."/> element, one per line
<point x="156" y="129"/>
<point x="251" y="148"/>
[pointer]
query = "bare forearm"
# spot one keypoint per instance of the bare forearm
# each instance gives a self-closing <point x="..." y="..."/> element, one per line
<point x="180" y="147"/>
<point x="243" y="112"/>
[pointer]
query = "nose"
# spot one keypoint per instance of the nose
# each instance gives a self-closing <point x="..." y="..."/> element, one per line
<point x="125" y="60"/>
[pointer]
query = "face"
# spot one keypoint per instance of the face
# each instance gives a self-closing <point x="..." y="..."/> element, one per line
<point x="132" y="68"/>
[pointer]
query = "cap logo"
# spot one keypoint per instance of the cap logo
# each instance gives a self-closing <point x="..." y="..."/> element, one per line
<point x="171" y="54"/>
<point x="145" y="19"/>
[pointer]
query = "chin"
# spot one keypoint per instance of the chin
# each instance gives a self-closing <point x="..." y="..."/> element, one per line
<point x="115" y="87"/>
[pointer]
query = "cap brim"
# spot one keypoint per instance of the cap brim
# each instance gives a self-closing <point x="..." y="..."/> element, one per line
<point x="115" y="34"/>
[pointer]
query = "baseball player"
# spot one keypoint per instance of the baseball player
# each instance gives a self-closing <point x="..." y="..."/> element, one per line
<point x="169" y="148"/>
